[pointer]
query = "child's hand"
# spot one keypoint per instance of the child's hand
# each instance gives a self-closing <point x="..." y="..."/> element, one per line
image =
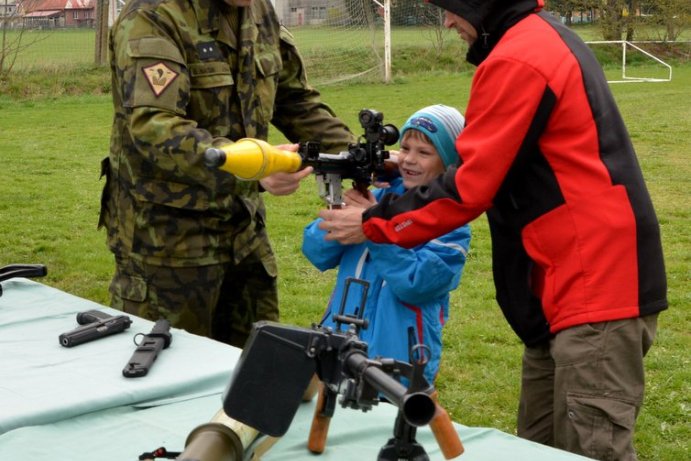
<point x="354" y="198"/>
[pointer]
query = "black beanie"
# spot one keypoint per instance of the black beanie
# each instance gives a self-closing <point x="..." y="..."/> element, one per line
<point x="473" y="11"/>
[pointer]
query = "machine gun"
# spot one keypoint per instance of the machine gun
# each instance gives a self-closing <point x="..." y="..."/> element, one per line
<point x="276" y="367"/>
<point x="292" y="355"/>
<point x="253" y="159"/>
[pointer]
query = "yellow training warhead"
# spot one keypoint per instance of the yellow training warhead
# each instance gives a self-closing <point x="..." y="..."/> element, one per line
<point x="253" y="159"/>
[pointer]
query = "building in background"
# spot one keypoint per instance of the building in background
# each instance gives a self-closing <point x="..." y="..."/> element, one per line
<point x="57" y="13"/>
<point x="306" y="12"/>
<point x="9" y="17"/>
<point x="8" y="8"/>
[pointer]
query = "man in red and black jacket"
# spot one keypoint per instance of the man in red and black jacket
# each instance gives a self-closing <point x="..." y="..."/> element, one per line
<point x="577" y="256"/>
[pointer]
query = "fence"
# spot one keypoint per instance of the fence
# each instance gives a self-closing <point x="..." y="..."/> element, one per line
<point x="334" y="53"/>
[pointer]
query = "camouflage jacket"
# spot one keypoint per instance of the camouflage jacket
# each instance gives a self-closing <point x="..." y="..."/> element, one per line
<point x="183" y="81"/>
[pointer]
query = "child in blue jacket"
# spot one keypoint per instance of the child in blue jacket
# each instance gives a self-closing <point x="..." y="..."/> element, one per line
<point x="408" y="296"/>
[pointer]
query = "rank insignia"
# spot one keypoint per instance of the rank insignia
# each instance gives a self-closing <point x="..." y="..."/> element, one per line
<point x="159" y="77"/>
<point x="208" y="51"/>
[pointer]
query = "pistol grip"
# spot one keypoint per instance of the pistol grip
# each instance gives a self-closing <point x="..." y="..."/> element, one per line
<point x="90" y="316"/>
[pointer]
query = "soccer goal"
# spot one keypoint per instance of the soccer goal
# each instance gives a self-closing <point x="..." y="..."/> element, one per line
<point x="343" y="40"/>
<point x="657" y="69"/>
<point x="351" y="39"/>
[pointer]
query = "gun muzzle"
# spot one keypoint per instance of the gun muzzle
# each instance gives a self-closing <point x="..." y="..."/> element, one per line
<point x="418" y="408"/>
<point x="252" y="159"/>
<point x="223" y="439"/>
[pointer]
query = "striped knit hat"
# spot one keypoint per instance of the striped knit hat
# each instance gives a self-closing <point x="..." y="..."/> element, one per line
<point x="442" y="125"/>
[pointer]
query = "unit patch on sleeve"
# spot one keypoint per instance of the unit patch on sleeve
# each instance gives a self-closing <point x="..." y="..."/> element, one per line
<point x="159" y="77"/>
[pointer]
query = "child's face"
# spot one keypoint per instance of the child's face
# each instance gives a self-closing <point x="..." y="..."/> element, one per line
<point x="418" y="160"/>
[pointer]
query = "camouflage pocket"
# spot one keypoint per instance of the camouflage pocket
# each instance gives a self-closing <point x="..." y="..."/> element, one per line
<point x="211" y="86"/>
<point x="128" y="287"/>
<point x="171" y="194"/>
<point x="210" y="74"/>
<point x="266" y="254"/>
<point x="269" y="262"/>
<point x="269" y="64"/>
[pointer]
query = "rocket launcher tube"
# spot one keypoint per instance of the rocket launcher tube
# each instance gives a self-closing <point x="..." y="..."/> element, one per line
<point x="225" y="439"/>
<point x="252" y="159"/>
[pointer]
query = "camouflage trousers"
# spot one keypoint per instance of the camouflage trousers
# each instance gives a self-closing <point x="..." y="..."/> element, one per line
<point x="218" y="301"/>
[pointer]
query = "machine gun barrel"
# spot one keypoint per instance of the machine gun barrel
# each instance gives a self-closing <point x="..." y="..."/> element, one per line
<point x="418" y="408"/>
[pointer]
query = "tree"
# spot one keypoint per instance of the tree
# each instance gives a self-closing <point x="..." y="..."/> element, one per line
<point x="12" y="41"/>
<point x="631" y="20"/>
<point x="671" y="16"/>
<point x="612" y="20"/>
<point x="566" y="8"/>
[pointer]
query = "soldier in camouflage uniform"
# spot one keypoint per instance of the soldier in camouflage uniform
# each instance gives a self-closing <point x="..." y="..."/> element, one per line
<point x="190" y="243"/>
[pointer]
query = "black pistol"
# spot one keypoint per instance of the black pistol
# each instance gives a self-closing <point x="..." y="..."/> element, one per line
<point x="94" y="324"/>
<point x="147" y="350"/>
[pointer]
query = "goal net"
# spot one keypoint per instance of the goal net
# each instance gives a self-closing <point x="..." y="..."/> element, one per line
<point x="344" y="40"/>
<point x="350" y="39"/>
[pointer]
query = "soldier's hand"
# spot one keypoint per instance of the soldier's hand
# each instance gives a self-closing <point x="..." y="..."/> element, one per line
<point x="284" y="183"/>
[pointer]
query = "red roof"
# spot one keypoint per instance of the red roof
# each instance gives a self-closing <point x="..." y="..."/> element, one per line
<point x="42" y="14"/>
<point x="48" y="5"/>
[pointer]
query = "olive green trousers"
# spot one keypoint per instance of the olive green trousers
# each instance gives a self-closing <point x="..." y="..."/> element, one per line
<point x="582" y="390"/>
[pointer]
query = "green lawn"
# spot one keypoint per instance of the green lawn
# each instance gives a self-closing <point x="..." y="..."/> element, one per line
<point x="50" y="151"/>
<point x="54" y="48"/>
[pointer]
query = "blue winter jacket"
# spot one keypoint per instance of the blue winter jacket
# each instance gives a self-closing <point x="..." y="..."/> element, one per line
<point x="408" y="296"/>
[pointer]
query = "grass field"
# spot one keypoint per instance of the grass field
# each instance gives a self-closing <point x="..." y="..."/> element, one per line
<point x="50" y="151"/>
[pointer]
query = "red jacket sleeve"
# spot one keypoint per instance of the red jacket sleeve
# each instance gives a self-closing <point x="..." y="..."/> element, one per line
<point x="503" y="101"/>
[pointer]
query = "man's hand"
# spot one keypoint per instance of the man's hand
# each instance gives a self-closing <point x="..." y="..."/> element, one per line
<point x="343" y="225"/>
<point x="354" y="198"/>
<point x="284" y="183"/>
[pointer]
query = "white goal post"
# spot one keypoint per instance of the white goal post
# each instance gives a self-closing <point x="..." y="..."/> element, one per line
<point x="630" y="79"/>
<point x="387" y="38"/>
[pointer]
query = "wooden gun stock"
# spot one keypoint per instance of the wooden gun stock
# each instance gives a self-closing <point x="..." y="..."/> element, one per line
<point x="444" y="432"/>
<point x="320" y="424"/>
